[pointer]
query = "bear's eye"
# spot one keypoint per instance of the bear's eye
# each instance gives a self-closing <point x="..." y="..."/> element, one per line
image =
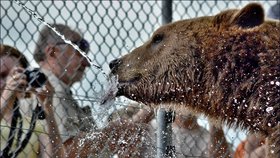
<point x="157" y="38"/>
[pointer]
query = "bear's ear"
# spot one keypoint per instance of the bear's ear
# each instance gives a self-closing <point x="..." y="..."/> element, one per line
<point x="250" y="16"/>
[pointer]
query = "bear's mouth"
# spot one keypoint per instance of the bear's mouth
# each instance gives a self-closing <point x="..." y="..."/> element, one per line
<point x="125" y="84"/>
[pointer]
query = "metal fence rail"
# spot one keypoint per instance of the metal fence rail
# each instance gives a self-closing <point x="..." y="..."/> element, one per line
<point x="112" y="28"/>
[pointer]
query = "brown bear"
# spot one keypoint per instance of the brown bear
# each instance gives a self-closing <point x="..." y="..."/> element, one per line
<point x="225" y="66"/>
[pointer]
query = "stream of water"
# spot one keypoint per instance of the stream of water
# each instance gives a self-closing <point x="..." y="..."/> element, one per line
<point x="112" y="85"/>
<point x="41" y="19"/>
<point x="108" y="97"/>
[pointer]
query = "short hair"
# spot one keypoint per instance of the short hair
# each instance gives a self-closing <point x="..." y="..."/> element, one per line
<point x="274" y="11"/>
<point x="48" y="36"/>
<point x="13" y="52"/>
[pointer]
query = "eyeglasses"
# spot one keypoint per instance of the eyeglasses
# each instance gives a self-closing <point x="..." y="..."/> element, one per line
<point x="82" y="44"/>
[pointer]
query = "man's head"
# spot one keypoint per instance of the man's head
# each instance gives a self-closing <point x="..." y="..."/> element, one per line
<point x="53" y="54"/>
<point x="10" y="57"/>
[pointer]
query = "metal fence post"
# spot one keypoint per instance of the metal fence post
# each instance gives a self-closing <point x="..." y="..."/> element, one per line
<point x="165" y="118"/>
<point x="161" y="133"/>
<point x="166" y="11"/>
<point x="164" y="133"/>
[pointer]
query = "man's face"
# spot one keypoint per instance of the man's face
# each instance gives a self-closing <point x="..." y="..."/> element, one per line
<point x="6" y="65"/>
<point x="71" y="63"/>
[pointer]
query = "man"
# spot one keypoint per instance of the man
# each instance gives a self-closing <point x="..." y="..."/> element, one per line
<point x="64" y="66"/>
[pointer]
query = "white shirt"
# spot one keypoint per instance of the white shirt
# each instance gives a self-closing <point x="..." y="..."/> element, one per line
<point x="70" y="117"/>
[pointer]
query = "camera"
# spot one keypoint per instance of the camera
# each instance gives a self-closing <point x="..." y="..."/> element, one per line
<point x="35" y="78"/>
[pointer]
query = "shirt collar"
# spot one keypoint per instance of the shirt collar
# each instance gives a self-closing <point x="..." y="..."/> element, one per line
<point x="56" y="82"/>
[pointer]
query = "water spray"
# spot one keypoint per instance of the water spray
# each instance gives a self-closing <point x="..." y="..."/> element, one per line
<point x="109" y="97"/>
<point x="40" y="19"/>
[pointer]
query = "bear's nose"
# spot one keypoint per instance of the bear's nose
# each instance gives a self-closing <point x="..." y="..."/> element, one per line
<point x="114" y="63"/>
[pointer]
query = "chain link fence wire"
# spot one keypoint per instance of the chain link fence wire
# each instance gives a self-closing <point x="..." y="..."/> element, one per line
<point x="113" y="28"/>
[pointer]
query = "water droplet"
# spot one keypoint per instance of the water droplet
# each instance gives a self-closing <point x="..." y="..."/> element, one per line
<point x="268" y="109"/>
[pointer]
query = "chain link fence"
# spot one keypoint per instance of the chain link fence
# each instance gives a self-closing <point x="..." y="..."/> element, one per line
<point x="112" y="28"/>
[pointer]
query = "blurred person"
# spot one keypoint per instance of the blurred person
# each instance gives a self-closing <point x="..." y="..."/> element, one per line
<point x="64" y="66"/>
<point x="189" y="138"/>
<point x="23" y="136"/>
<point x="252" y="147"/>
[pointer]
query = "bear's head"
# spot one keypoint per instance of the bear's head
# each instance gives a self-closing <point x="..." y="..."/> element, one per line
<point x="183" y="61"/>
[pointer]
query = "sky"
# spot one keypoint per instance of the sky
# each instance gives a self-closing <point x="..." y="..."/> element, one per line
<point x="113" y="28"/>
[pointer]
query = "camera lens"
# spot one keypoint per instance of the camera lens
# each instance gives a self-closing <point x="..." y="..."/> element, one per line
<point x="35" y="78"/>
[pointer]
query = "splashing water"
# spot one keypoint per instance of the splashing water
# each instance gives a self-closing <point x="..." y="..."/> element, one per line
<point x="40" y="19"/>
<point x="108" y="98"/>
<point x="107" y="102"/>
<point x="110" y="91"/>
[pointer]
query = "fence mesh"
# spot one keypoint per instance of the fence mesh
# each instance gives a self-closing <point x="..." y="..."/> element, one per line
<point x="112" y="28"/>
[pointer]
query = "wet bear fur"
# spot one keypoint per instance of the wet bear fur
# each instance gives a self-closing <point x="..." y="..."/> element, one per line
<point x="226" y="67"/>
